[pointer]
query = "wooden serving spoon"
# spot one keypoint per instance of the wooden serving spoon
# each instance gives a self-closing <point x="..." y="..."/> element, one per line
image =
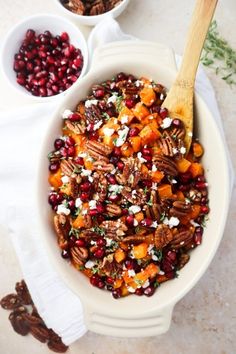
<point x="179" y="100"/>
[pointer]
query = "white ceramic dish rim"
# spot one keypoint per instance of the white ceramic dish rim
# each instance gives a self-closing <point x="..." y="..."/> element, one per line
<point x="24" y="25"/>
<point x="152" y="309"/>
<point x="93" y="20"/>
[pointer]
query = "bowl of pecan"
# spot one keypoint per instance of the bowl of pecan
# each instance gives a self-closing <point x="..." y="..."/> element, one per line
<point x="132" y="221"/>
<point x="91" y="12"/>
<point x="43" y="56"/>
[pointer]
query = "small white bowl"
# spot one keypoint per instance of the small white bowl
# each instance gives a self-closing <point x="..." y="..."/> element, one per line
<point x="40" y="23"/>
<point x="92" y="20"/>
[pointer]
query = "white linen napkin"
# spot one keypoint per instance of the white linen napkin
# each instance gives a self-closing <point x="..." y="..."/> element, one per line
<point x="21" y="133"/>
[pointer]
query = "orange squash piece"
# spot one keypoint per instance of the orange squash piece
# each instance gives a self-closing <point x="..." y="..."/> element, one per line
<point x="149" y="135"/>
<point x="196" y="169"/>
<point x="117" y="283"/>
<point x="78" y="223"/>
<point x="180" y="195"/>
<point x="126" y="150"/>
<point x="196" y="209"/>
<point x="109" y="140"/>
<point x="140" y="251"/>
<point x="183" y="165"/>
<point x="140" y="111"/>
<point x="135" y="142"/>
<point x="148" y="96"/>
<point x="139" y="216"/>
<point x="124" y="290"/>
<point x="88" y="164"/>
<point x="124" y="114"/>
<point x="157" y="176"/>
<point x="165" y="191"/>
<point x="152" y="270"/>
<point x="119" y="255"/>
<point x="55" y="179"/>
<point x="197" y="149"/>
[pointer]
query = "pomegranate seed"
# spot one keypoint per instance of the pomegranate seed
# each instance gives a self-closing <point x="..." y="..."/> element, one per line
<point x="149" y="165"/>
<point x="139" y="291"/>
<point x="121" y="76"/>
<point x="52" y="199"/>
<point x="94" y="280"/>
<point x="155" y="109"/>
<point x="116" y="293"/>
<point x="72" y="241"/>
<point x="86" y="186"/>
<point x="100" y="208"/>
<point x="166" y="265"/>
<point x="109" y="280"/>
<point x="21" y="81"/>
<point x="80" y="242"/>
<point x="74" y="117"/>
<point x="54" y="42"/>
<point x="71" y="151"/>
<point x="54" y="167"/>
<point x="185" y="177"/>
<point x="147" y="158"/>
<point x="101" y="242"/>
<point x="100" y="93"/>
<point x="94" y="135"/>
<point x="149" y="291"/>
<point x="114" y="160"/>
<point x="177" y="123"/>
<point x="146" y="222"/>
<point x="130" y="220"/>
<point x="163" y="113"/>
<point x="100" y="218"/>
<point x="200" y="178"/>
<point x="79" y="160"/>
<point x="201" y="185"/>
<point x="65" y="254"/>
<point x="93" y="212"/>
<point x="84" y="196"/>
<point x="30" y="34"/>
<point x="64" y="37"/>
<point x="146" y="151"/>
<point x="129" y="103"/>
<point x="120" y="165"/>
<point x="101" y="284"/>
<point x="99" y="253"/>
<point x="71" y="204"/>
<point x="133" y="132"/>
<point x="197" y="238"/>
<point x="204" y="201"/>
<point x="111" y="178"/>
<point x="117" y="151"/>
<point x="63" y="152"/>
<point x="130" y="264"/>
<point x="147" y="183"/>
<point x="29" y="67"/>
<point x="125" y="211"/>
<point x="205" y="209"/>
<point x="114" y="198"/>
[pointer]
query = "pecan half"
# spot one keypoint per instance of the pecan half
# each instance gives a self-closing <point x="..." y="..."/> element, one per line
<point x="32" y="320"/>
<point x="97" y="8"/>
<point x="74" y="187"/>
<point x="167" y="144"/>
<point x="87" y="221"/>
<point x="113" y="210"/>
<point x="23" y="293"/>
<point x="165" y="164"/>
<point x="163" y="236"/>
<point x="177" y="133"/>
<point x="114" y="229"/>
<point x="100" y="187"/>
<point x="181" y="238"/>
<point x="103" y="166"/>
<point x="132" y="172"/>
<point x="76" y="127"/>
<point x="10" y="302"/>
<point x="93" y="114"/>
<point x="62" y="228"/>
<point x="109" y="267"/>
<point x="134" y="238"/>
<point x="67" y="167"/>
<point x="40" y="332"/>
<point x="183" y="259"/>
<point x="18" y="323"/>
<point x="98" y="151"/>
<point x="76" y="6"/>
<point x="110" y="4"/>
<point x="180" y="208"/>
<point x="136" y="197"/>
<point x="79" y="255"/>
<point x="88" y="234"/>
<point x="57" y="346"/>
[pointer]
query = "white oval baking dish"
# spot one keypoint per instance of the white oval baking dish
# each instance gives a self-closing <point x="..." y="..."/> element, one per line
<point x="135" y="316"/>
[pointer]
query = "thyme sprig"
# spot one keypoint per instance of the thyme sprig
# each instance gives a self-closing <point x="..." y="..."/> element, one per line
<point x="218" y="55"/>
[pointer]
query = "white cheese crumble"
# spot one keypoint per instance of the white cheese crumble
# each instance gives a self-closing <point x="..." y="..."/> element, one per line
<point x="138" y="83"/>
<point x="166" y="123"/>
<point x="108" y="242"/>
<point x="108" y="131"/>
<point x="150" y="247"/>
<point x="124" y="119"/>
<point x="154" y="168"/>
<point x="90" y="179"/>
<point x="66" y="113"/>
<point x="131" y="273"/>
<point x="173" y="221"/>
<point x="62" y="209"/>
<point x="65" y="179"/>
<point x="122" y="136"/>
<point x="140" y="157"/>
<point x="175" y="151"/>
<point x="154" y="257"/>
<point x="190" y="134"/>
<point x="112" y="99"/>
<point x="130" y="289"/>
<point x="92" y="204"/>
<point x="146" y="284"/>
<point x="85" y="173"/>
<point x="97" y="125"/>
<point x="154" y="186"/>
<point x="115" y="188"/>
<point x="134" y="209"/>
<point x="89" y="103"/>
<point x="154" y="224"/>
<point x="182" y="150"/>
<point x="162" y="96"/>
<point x="173" y="181"/>
<point x="82" y="154"/>
<point x="195" y="224"/>
<point x="161" y="272"/>
<point x="84" y="212"/>
<point x="78" y="203"/>
<point x="135" y="222"/>
<point x="89" y="264"/>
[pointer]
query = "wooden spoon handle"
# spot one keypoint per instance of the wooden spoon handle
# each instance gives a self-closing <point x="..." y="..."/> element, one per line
<point x="201" y="20"/>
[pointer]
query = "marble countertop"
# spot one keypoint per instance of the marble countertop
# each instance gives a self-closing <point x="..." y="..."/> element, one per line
<point x="204" y="321"/>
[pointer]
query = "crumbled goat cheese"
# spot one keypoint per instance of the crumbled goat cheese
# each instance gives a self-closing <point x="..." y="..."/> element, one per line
<point x="112" y="99"/>
<point x="154" y="224"/>
<point x="162" y="96"/>
<point x="89" y="103"/>
<point x="89" y="264"/>
<point x="90" y="179"/>
<point x="66" y="114"/>
<point x="166" y="123"/>
<point x="150" y="247"/>
<point x="182" y="150"/>
<point x="97" y="125"/>
<point x="195" y="224"/>
<point x="115" y="188"/>
<point x="154" y="186"/>
<point x="84" y="212"/>
<point x="124" y="119"/>
<point x="134" y="209"/>
<point x="122" y="136"/>
<point x="78" y="203"/>
<point x="108" y="131"/>
<point x="65" y="179"/>
<point x="175" y="151"/>
<point x="131" y="273"/>
<point x="62" y="209"/>
<point x="173" y="221"/>
<point x="190" y="134"/>
<point x="92" y="204"/>
<point x="138" y="83"/>
<point x="146" y="284"/>
<point x="154" y="168"/>
<point x="154" y="257"/>
<point x="140" y="157"/>
<point x="108" y="242"/>
<point x="82" y="154"/>
<point x="130" y="289"/>
<point x="135" y="222"/>
<point x="85" y="173"/>
<point x="161" y="272"/>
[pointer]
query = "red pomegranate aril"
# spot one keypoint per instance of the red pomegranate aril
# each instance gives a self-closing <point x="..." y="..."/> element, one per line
<point x="93" y="212"/>
<point x="205" y="209"/>
<point x="130" y="103"/>
<point x="64" y="37"/>
<point x="116" y="293"/>
<point x="177" y="123"/>
<point x="100" y="93"/>
<point x="185" y="177"/>
<point x="149" y="291"/>
<point x="171" y="256"/>
<point x="59" y="143"/>
<point x="204" y="201"/>
<point x="114" y="198"/>
<point x="163" y="113"/>
<point x="21" y="81"/>
<point x="42" y="82"/>
<point x="147" y="158"/>
<point x="147" y="183"/>
<point x="117" y="151"/>
<point x="94" y="280"/>
<point x="30" y="34"/>
<point x="52" y="199"/>
<point x="70" y="141"/>
<point x="99" y="253"/>
<point x="54" y="42"/>
<point x="29" y="67"/>
<point x="125" y="211"/>
<point x="133" y="132"/>
<point x="146" y="222"/>
<point x="109" y="280"/>
<point x="101" y="242"/>
<point x="65" y="254"/>
<point x="146" y="151"/>
<point x="101" y="284"/>
<point x="139" y="291"/>
<point x="84" y="196"/>
<point x="100" y="208"/>
<point x="71" y="204"/>
<point x="77" y="63"/>
<point x="49" y="92"/>
<point x="53" y="167"/>
<point x="79" y="160"/>
<point x="111" y="178"/>
<point x="63" y="152"/>
<point x="86" y="186"/>
<point x="200" y="178"/>
<point x="42" y="92"/>
<point x="80" y="242"/>
<point x="120" y="165"/>
<point x="166" y="265"/>
<point x="94" y="135"/>
<point x="201" y="185"/>
<point x="149" y="165"/>
<point x="197" y="238"/>
<point x="129" y="220"/>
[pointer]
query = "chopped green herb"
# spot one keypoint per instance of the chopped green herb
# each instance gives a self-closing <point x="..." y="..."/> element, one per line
<point x="74" y="232"/>
<point x="205" y="219"/>
<point x="156" y="284"/>
<point x="99" y="230"/>
<point x="105" y="116"/>
<point x="119" y="101"/>
<point x="162" y="216"/>
<point x="145" y="190"/>
<point x="149" y="202"/>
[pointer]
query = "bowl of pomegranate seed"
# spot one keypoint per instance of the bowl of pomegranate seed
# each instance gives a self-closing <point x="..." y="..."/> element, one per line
<point x="91" y="12"/>
<point x="43" y="56"/>
<point x="129" y="219"/>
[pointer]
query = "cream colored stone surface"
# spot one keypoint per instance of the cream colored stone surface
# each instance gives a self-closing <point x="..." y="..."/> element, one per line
<point x="204" y="321"/>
